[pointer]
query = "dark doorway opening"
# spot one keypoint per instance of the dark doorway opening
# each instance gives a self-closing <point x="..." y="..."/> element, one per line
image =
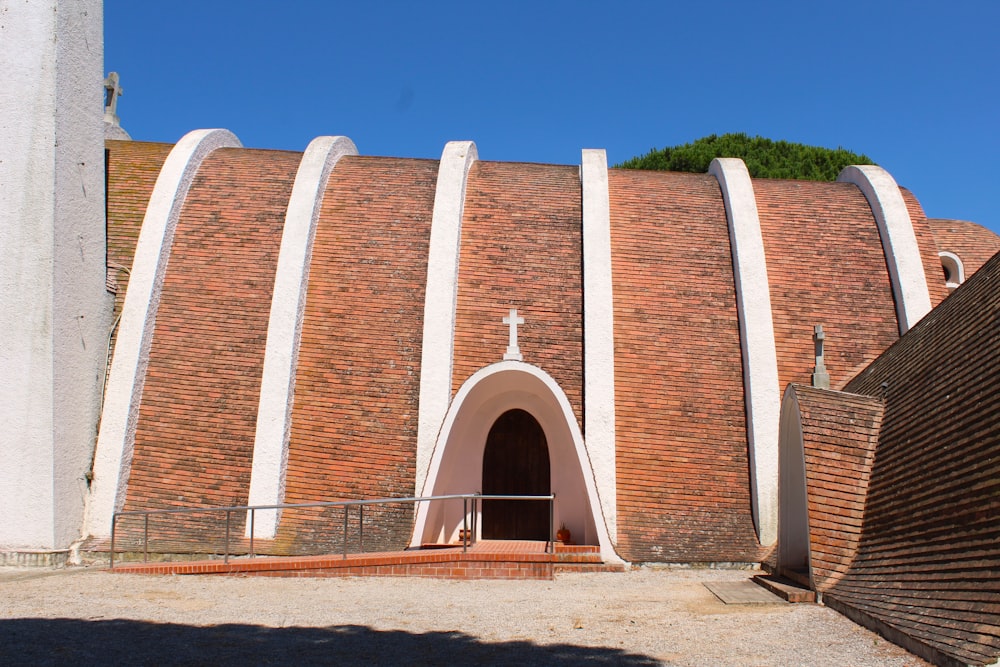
<point x="516" y="462"/>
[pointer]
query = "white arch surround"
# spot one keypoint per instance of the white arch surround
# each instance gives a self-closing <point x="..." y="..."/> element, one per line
<point x="761" y="387"/>
<point x="456" y="463"/>
<point x="793" y="514"/>
<point x="440" y="298"/>
<point x="899" y="242"/>
<point x="113" y="456"/>
<point x="284" y="328"/>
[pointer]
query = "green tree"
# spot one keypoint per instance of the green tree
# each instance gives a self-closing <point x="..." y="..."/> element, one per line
<point x="764" y="158"/>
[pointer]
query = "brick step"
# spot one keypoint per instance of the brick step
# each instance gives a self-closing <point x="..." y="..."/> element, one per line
<point x="785" y="588"/>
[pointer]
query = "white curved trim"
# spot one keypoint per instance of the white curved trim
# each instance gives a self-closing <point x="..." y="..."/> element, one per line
<point x="113" y="457"/>
<point x="518" y="383"/>
<point x="957" y="268"/>
<point x="761" y="387"/>
<point x="437" y="351"/>
<point x="284" y="328"/>
<point x="793" y="511"/>
<point x="599" y="332"/>
<point x="899" y="242"/>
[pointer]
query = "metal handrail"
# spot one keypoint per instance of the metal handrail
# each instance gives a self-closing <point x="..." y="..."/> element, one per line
<point x="251" y="509"/>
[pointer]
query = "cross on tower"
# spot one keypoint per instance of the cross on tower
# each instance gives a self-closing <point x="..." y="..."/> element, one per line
<point x="513" y="351"/>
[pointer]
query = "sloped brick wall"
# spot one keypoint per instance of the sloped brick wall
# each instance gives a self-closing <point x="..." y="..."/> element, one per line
<point x="826" y="266"/>
<point x="930" y="549"/>
<point x="683" y="479"/>
<point x="194" y="439"/>
<point x="354" y="420"/>
<point x="972" y="243"/>
<point x="839" y="435"/>
<point x="521" y="248"/>
<point x="133" y="168"/>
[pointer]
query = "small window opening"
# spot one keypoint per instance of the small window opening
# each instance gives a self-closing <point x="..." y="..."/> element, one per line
<point x="954" y="272"/>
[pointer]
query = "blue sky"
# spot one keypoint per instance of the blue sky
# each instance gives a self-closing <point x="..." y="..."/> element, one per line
<point x="914" y="85"/>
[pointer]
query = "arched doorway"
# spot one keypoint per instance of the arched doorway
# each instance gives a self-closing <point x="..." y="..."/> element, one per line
<point x="516" y="462"/>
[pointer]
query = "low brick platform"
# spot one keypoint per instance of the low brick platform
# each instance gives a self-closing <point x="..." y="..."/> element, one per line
<point x="487" y="559"/>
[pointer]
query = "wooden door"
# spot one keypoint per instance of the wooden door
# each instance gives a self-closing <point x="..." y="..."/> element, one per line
<point x="516" y="462"/>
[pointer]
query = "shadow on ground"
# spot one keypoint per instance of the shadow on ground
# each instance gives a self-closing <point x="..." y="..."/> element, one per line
<point x="63" y="641"/>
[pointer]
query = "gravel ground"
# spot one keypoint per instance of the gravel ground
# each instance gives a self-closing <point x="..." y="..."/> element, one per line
<point x="643" y="617"/>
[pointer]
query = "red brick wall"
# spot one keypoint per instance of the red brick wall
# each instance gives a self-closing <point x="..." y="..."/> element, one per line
<point x="195" y="432"/>
<point x="522" y="248"/>
<point x="973" y="244"/>
<point x="930" y="548"/>
<point x="826" y="266"/>
<point x="839" y="433"/>
<point x="357" y="387"/>
<point x="133" y="168"/>
<point x="683" y="480"/>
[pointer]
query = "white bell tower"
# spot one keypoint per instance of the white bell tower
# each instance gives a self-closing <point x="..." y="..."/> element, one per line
<point x="55" y="312"/>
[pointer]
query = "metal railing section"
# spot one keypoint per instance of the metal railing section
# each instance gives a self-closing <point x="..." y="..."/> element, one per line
<point x="467" y="533"/>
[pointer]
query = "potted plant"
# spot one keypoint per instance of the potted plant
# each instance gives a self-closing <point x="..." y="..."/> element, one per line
<point x="563" y="534"/>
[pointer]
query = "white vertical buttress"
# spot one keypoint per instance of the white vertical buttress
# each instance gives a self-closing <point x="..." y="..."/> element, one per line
<point x="760" y="361"/>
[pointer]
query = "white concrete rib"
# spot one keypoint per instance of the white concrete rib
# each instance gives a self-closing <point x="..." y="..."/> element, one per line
<point x="284" y="329"/>
<point x="899" y="242"/>
<point x="761" y="387"/>
<point x="113" y="457"/>
<point x="599" y="333"/>
<point x="437" y="353"/>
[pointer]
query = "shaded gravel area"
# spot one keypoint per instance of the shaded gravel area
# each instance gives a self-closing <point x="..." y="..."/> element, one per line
<point x="642" y="617"/>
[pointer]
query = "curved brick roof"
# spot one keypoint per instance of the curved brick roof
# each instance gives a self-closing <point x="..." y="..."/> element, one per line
<point x="132" y="171"/>
<point x="354" y="420"/>
<point x="678" y="374"/>
<point x="195" y="431"/>
<point x="972" y="243"/>
<point x="521" y="248"/>
<point x="826" y="266"/>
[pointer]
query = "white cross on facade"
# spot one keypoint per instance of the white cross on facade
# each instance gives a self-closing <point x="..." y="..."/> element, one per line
<point x="513" y="351"/>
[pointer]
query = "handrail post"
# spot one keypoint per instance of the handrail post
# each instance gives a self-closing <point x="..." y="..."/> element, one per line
<point x="114" y="520"/>
<point x="346" y="507"/>
<point x="251" y="533"/>
<point x="225" y="556"/>
<point x="465" y="522"/>
<point x="551" y="547"/>
<point x="361" y="528"/>
<point x="145" y="539"/>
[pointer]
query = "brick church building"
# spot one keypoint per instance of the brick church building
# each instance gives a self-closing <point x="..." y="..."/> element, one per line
<point x="216" y="325"/>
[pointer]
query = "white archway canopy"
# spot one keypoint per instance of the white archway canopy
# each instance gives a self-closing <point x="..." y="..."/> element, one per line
<point x="456" y="464"/>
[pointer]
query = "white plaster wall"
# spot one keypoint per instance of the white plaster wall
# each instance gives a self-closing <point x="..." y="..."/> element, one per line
<point x="113" y="457"/>
<point x="457" y="461"/>
<point x="54" y="309"/>
<point x="762" y="393"/>
<point x="598" y="333"/>
<point x="899" y="242"/>
<point x="284" y="329"/>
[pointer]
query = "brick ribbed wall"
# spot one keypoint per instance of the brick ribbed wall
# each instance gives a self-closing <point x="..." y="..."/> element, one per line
<point x="195" y="433"/>
<point x="133" y="168"/>
<point x="521" y="248"/>
<point x="839" y="434"/>
<point x="826" y="266"/>
<point x="972" y="243"/>
<point x="683" y="489"/>
<point x="930" y="550"/>
<point x="928" y="248"/>
<point x="354" y="419"/>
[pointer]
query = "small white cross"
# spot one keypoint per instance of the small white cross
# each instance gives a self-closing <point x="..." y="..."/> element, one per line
<point x="513" y="351"/>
